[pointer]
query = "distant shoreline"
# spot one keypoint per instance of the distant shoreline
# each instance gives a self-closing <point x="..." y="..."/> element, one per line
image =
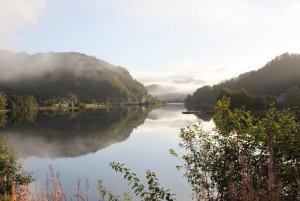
<point x="57" y="107"/>
<point x="86" y="106"/>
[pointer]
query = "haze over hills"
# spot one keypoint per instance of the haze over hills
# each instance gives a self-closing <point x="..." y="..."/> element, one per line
<point x="166" y="93"/>
<point x="48" y="75"/>
<point x="279" y="79"/>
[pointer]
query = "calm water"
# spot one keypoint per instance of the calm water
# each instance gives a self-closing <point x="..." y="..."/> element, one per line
<point x="80" y="145"/>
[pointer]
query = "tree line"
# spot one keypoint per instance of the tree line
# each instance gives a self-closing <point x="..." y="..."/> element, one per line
<point x="21" y="103"/>
<point x="21" y="109"/>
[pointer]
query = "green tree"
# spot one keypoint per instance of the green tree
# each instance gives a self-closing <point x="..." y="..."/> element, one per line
<point x="291" y="97"/>
<point x="3" y="120"/>
<point x="23" y="109"/>
<point x="49" y="103"/>
<point x="241" y="98"/>
<point x="3" y="101"/>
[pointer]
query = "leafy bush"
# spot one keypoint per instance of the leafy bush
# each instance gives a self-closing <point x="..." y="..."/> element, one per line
<point x="243" y="158"/>
<point x="10" y="170"/>
<point x="153" y="192"/>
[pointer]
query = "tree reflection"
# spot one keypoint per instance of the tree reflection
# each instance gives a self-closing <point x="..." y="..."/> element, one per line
<point x="3" y="119"/>
<point x="205" y="116"/>
<point x="75" y="133"/>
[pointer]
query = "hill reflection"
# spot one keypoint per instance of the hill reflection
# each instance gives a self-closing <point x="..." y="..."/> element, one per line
<point x="56" y="134"/>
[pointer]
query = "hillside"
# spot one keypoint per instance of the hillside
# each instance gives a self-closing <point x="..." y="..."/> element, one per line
<point x="68" y="75"/>
<point x="277" y="79"/>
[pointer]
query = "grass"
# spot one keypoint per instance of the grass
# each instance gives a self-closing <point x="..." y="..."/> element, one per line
<point x="54" y="191"/>
<point x="41" y="108"/>
<point x="95" y="106"/>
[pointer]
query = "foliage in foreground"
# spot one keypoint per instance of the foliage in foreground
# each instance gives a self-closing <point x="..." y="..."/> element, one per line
<point x="243" y="158"/>
<point x="11" y="176"/>
<point x="153" y="192"/>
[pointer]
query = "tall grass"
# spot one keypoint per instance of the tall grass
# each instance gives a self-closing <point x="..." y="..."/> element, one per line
<point x="53" y="190"/>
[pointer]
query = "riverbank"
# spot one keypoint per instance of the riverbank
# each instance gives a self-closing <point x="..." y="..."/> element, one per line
<point x="86" y="106"/>
<point x="198" y="112"/>
<point x="67" y="107"/>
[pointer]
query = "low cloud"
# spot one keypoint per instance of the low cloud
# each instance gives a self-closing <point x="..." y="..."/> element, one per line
<point x="188" y="81"/>
<point x="178" y="79"/>
<point x="166" y="92"/>
<point x="18" y="66"/>
<point x="15" y="15"/>
<point x="166" y="85"/>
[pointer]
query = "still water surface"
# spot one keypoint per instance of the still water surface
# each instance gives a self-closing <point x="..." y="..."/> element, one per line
<point x="80" y="145"/>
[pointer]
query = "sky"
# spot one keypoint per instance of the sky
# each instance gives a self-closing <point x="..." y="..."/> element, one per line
<point x="180" y="44"/>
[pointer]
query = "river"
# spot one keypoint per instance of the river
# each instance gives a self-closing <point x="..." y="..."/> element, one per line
<point x="79" y="145"/>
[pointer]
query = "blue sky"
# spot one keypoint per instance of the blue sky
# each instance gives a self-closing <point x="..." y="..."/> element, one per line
<point x="158" y="41"/>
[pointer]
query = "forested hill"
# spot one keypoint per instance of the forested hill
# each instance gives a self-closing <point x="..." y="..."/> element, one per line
<point x="279" y="79"/>
<point x="68" y="75"/>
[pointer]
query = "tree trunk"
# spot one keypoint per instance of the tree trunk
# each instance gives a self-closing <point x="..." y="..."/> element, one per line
<point x="271" y="170"/>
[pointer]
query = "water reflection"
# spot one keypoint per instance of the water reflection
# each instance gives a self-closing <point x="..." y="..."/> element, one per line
<point x="68" y="134"/>
<point x="3" y="119"/>
<point x="205" y="116"/>
<point x="146" y="136"/>
<point x="22" y="115"/>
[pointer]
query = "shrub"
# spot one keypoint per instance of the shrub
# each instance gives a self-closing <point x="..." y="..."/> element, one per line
<point x="243" y="158"/>
<point x="11" y="175"/>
